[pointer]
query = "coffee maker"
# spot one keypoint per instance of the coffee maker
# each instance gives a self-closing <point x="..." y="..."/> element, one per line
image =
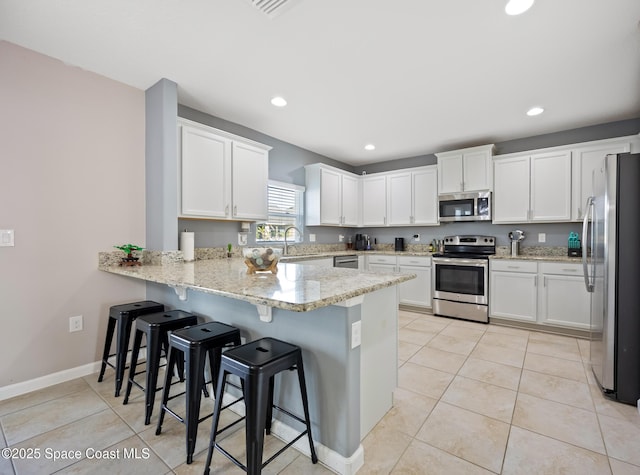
<point x="399" y="244"/>
<point x="361" y="242"/>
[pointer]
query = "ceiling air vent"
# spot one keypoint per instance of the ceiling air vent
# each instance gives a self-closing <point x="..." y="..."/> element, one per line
<point x="273" y="8"/>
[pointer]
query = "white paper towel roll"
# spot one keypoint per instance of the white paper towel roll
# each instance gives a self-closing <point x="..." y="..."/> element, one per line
<point x="186" y="245"/>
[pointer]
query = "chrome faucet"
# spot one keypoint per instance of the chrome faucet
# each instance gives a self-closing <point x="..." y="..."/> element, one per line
<point x="286" y="245"/>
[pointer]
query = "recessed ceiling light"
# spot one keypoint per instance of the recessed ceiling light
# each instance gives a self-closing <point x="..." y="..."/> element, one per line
<point x="279" y="101"/>
<point x="369" y="147"/>
<point x="516" y="7"/>
<point x="535" y="111"/>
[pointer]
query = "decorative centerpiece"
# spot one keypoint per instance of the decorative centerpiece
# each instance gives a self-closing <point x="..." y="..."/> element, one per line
<point x="129" y="249"/>
<point x="261" y="259"/>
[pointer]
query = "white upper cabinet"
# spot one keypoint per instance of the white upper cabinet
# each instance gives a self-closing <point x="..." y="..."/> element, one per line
<point x="468" y="169"/>
<point x="222" y="176"/>
<point x="532" y="188"/>
<point x="331" y="196"/>
<point x="374" y="200"/>
<point x="511" y="190"/>
<point x="551" y="186"/>
<point x="412" y="197"/>
<point x="584" y="160"/>
<point x="250" y="174"/>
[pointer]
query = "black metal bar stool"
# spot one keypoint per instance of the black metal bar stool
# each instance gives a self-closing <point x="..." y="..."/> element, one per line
<point x="193" y="344"/>
<point x="123" y="316"/>
<point x="256" y="364"/>
<point x="156" y="327"/>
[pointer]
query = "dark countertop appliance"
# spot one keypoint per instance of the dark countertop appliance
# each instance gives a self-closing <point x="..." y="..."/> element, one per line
<point x="399" y="244"/>
<point x="460" y="277"/>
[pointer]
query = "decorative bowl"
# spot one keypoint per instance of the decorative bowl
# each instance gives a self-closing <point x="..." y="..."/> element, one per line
<point x="261" y="259"/>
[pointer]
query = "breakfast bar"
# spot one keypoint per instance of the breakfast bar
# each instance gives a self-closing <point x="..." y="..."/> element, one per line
<point x="345" y="321"/>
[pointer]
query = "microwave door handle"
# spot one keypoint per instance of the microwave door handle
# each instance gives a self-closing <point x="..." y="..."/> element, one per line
<point x="585" y="228"/>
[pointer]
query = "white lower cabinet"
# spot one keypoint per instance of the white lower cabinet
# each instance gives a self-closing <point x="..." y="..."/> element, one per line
<point x="547" y="293"/>
<point x="562" y="295"/>
<point x="513" y="290"/>
<point x="416" y="292"/>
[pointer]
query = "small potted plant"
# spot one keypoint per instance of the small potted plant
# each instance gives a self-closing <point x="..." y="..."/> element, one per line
<point x="229" y="249"/>
<point x="128" y="249"/>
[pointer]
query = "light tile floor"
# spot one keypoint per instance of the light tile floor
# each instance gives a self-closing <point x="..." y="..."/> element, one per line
<point x="472" y="398"/>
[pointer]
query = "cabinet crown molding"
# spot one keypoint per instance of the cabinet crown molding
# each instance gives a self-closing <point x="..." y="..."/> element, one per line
<point x="222" y="133"/>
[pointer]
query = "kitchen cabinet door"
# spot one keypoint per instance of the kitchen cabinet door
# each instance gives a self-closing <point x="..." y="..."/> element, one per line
<point x="477" y="171"/>
<point x="205" y="173"/>
<point x="583" y="161"/>
<point x="330" y="202"/>
<point x="563" y="298"/>
<point x="425" y="196"/>
<point x="511" y="190"/>
<point x="250" y="179"/>
<point x="551" y="187"/>
<point x="400" y="199"/>
<point x="417" y="291"/>
<point x="450" y="178"/>
<point x="513" y="290"/>
<point x="374" y="200"/>
<point x="350" y="200"/>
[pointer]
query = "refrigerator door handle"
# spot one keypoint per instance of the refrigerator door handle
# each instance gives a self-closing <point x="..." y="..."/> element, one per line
<point x="585" y="251"/>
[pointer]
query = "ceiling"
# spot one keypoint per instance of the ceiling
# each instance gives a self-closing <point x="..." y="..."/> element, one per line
<point x="411" y="76"/>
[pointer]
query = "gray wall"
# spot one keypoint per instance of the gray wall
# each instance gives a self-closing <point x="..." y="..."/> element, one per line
<point x="286" y="163"/>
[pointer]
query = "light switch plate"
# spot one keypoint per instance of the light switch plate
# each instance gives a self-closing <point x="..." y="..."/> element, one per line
<point x="542" y="237"/>
<point x="7" y="238"/>
<point x="356" y="334"/>
<point x="312" y="238"/>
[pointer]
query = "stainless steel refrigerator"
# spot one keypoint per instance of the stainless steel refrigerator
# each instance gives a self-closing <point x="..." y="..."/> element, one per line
<point x="611" y="260"/>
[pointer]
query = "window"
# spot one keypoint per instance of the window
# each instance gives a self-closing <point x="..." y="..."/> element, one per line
<point x="285" y="209"/>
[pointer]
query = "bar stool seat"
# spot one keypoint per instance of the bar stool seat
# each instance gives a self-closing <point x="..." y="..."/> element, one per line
<point x="256" y="363"/>
<point x="156" y="327"/>
<point x="123" y="317"/>
<point x="193" y="344"/>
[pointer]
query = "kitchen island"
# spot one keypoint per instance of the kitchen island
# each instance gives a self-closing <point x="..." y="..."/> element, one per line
<point x="345" y="321"/>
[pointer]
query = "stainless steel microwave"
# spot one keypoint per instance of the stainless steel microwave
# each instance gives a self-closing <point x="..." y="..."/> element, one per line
<point x="474" y="206"/>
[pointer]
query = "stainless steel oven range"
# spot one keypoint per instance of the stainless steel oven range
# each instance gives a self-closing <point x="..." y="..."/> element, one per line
<point x="461" y="277"/>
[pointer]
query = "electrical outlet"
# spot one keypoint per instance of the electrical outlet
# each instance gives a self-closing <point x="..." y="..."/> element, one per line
<point x="7" y="237"/>
<point x="340" y="238"/>
<point x="242" y="239"/>
<point x="75" y="324"/>
<point x="542" y="237"/>
<point x="416" y="237"/>
<point x="312" y="238"/>
<point x="356" y="334"/>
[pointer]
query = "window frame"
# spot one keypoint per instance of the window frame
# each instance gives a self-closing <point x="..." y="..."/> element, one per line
<point x="298" y="217"/>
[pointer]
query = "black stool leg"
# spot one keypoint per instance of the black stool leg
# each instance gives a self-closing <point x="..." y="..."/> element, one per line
<point x="256" y="411"/>
<point x="305" y="405"/>
<point x="171" y="363"/>
<point x="137" y="341"/>
<point x="111" y="325"/>
<point x="194" y="368"/>
<point x="216" y="418"/>
<point x="267" y="424"/>
<point x="124" y="330"/>
<point x="153" y="362"/>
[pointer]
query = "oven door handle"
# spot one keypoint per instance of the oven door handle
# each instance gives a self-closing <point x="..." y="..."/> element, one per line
<point x="461" y="261"/>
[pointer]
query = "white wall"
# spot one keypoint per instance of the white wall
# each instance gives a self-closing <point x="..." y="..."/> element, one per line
<point x="71" y="185"/>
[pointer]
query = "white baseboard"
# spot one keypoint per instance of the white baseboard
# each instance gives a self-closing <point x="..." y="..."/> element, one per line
<point x="42" y="382"/>
<point x="329" y="458"/>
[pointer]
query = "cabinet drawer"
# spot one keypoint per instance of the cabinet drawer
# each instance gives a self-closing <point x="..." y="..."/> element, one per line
<point x="562" y="268"/>
<point x="424" y="261"/>
<point x="508" y="265"/>
<point x="380" y="259"/>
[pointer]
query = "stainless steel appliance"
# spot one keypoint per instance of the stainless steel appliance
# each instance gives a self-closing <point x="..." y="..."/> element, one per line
<point x="399" y="244"/>
<point x="611" y="260"/>
<point x="461" y="277"/>
<point x="474" y="206"/>
<point x="349" y="262"/>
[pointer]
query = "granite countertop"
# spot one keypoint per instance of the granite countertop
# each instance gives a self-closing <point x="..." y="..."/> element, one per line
<point x="296" y="287"/>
